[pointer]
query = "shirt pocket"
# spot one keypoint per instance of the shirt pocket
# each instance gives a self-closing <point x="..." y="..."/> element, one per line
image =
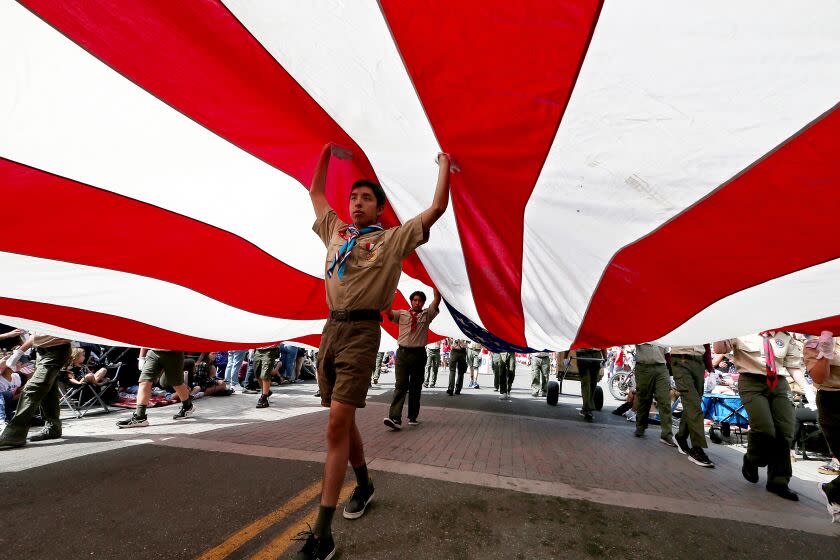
<point x="365" y="256"/>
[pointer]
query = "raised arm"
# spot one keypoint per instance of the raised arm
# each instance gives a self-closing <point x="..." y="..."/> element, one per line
<point x="441" y="200"/>
<point x="318" y="188"/>
<point x="722" y="347"/>
<point x="435" y="301"/>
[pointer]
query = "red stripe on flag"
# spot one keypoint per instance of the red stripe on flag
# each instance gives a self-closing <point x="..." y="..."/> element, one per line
<point x="495" y="81"/>
<point x="775" y="218"/>
<point x="93" y="227"/>
<point x="116" y="328"/>
<point x="198" y="58"/>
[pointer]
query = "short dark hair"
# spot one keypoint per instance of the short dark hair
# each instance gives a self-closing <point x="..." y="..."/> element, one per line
<point x="418" y="293"/>
<point x="378" y="191"/>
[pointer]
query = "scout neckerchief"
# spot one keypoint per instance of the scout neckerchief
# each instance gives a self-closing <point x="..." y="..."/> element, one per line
<point x="349" y="235"/>
<point x="770" y="361"/>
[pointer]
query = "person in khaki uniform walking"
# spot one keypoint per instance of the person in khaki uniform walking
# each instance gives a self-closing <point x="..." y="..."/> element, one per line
<point x="362" y="269"/>
<point x="168" y="366"/>
<point x="432" y="364"/>
<point x="473" y="362"/>
<point x="689" y="365"/>
<point x="822" y="360"/>
<point x="411" y="357"/>
<point x="540" y="370"/>
<point x="588" y="365"/>
<point x="457" y="366"/>
<point x="765" y="392"/>
<point x="507" y="371"/>
<point x="41" y="391"/>
<point x="652" y="380"/>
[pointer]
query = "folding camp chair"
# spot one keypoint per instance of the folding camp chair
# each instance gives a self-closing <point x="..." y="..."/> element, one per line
<point x="81" y="398"/>
<point x="808" y="432"/>
<point x="724" y="411"/>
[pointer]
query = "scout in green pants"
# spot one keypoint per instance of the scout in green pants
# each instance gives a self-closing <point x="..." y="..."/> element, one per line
<point x="432" y="364"/>
<point x="507" y="371"/>
<point x="766" y="396"/>
<point x="377" y="369"/>
<point x="689" y="366"/>
<point x="51" y="355"/>
<point x="540" y="368"/>
<point x="652" y="380"/>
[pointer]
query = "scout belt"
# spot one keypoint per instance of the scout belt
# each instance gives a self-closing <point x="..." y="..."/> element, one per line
<point x="356" y="315"/>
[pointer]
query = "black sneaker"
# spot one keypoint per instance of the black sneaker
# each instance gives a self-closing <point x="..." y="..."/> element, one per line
<point x="639" y="433"/>
<point x="262" y="402"/>
<point x="358" y="502"/>
<point x="448" y="392"/>
<point x="249" y="391"/>
<point x="668" y="440"/>
<point x="393" y="423"/>
<point x="133" y="422"/>
<point x="414" y="422"/>
<point x="184" y="412"/>
<point x="697" y="456"/>
<point x="314" y="548"/>
<point x="682" y="444"/>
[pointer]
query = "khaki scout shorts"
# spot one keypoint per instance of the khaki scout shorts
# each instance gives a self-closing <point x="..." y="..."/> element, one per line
<point x="264" y="359"/>
<point x="346" y="360"/>
<point x="168" y="362"/>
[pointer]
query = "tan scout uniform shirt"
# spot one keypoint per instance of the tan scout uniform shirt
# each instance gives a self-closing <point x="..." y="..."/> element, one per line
<point x="650" y="354"/>
<point x="748" y="355"/>
<point x="419" y="337"/>
<point x="374" y="265"/>
<point x="832" y="380"/>
<point x="688" y="350"/>
<point x="45" y="341"/>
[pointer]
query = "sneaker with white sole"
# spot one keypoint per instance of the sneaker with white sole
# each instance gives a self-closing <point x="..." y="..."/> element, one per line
<point x="682" y="444"/>
<point x="184" y="412"/>
<point x="413" y="422"/>
<point x="833" y="507"/>
<point x="358" y="502"/>
<point x="697" y="456"/>
<point x="133" y="422"/>
<point x="394" y="423"/>
<point x="668" y="440"/>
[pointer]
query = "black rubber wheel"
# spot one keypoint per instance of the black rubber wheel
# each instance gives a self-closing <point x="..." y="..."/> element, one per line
<point x="598" y="397"/>
<point x="552" y="393"/>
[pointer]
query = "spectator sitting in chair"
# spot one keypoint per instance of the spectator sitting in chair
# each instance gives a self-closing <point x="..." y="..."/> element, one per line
<point x="78" y="373"/>
<point x="10" y="383"/>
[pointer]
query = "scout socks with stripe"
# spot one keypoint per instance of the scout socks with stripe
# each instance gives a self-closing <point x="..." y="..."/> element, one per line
<point x="141" y="411"/>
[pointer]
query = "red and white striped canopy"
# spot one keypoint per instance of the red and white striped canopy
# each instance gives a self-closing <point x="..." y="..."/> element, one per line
<point x="633" y="170"/>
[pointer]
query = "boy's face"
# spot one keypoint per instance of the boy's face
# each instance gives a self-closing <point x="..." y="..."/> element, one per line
<point x="363" y="208"/>
<point x="417" y="304"/>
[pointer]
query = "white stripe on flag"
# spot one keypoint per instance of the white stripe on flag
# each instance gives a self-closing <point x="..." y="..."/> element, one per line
<point x="671" y="102"/>
<point x="69" y="114"/>
<point x="154" y="302"/>
<point x="344" y="57"/>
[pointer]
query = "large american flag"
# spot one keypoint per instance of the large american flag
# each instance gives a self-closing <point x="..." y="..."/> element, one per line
<point x="633" y="170"/>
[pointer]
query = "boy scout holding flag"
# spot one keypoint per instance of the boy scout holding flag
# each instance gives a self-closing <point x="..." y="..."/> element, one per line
<point x="363" y="266"/>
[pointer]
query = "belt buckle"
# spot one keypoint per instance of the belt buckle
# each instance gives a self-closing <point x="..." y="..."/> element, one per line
<point x="341" y="315"/>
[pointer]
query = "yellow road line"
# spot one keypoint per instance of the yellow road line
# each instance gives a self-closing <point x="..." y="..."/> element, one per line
<point x="283" y="541"/>
<point x="245" y="534"/>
